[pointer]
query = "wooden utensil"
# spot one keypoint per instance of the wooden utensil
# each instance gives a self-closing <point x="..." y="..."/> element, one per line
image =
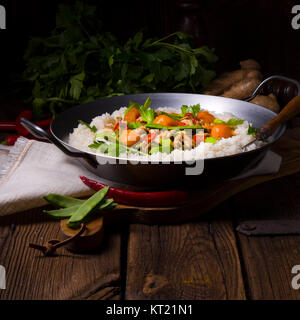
<point x="90" y="239"/>
<point x="286" y="114"/>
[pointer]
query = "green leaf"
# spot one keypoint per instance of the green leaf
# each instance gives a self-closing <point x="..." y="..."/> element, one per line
<point x="219" y="121"/>
<point x="93" y="128"/>
<point x="76" y="85"/>
<point x="95" y="145"/>
<point x="137" y="39"/>
<point x="210" y="140"/>
<point x="134" y="125"/>
<point x="147" y="113"/>
<point x="78" y="62"/>
<point x="194" y="64"/>
<point x="234" y="122"/>
<point x="109" y="136"/>
<point x="148" y="79"/>
<point x="111" y="61"/>
<point x="190" y="109"/>
<point x="252" y="130"/>
<point x="182" y="70"/>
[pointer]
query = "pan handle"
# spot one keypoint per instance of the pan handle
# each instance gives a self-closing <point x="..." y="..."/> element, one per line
<point x="286" y="114"/>
<point x="40" y="133"/>
<point x="264" y="85"/>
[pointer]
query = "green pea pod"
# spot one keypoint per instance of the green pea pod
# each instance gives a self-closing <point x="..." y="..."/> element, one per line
<point x="64" y="213"/>
<point x="159" y="126"/>
<point x="86" y="208"/>
<point x="62" y="201"/>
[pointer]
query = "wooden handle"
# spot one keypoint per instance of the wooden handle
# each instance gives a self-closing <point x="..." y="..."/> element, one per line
<point x="286" y="114"/>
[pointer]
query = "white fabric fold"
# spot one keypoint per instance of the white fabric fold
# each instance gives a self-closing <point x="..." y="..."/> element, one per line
<point x="32" y="169"/>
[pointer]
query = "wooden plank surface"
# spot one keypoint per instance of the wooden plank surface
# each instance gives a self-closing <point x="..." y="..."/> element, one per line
<point x="201" y="260"/>
<point x="30" y="275"/>
<point x="188" y="261"/>
<point x="268" y="260"/>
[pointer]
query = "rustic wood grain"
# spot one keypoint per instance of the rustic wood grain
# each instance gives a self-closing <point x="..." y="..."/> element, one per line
<point x="30" y="275"/>
<point x="267" y="260"/>
<point x="189" y="261"/>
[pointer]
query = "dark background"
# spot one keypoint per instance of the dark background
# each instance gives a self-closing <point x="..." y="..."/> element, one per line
<point x="238" y="29"/>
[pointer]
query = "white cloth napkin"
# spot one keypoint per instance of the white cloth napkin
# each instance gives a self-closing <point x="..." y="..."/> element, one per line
<point x="31" y="169"/>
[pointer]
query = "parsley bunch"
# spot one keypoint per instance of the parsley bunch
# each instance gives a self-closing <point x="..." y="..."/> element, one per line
<point x="78" y="63"/>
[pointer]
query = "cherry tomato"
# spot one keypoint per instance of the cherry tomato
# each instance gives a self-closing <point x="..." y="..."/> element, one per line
<point x="165" y="121"/>
<point x="205" y="116"/>
<point x="132" y="115"/>
<point x="219" y="131"/>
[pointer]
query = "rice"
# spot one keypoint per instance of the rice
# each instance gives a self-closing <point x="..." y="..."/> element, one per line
<point x="82" y="137"/>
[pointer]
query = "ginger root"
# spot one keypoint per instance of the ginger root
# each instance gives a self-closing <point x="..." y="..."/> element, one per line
<point x="249" y="70"/>
<point x="250" y="64"/>
<point x="240" y="84"/>
<point x="269" y="102"/>
<point x="242" y="89"/>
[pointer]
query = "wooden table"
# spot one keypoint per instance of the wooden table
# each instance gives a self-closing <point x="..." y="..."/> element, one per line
<point x="204" y="259"/>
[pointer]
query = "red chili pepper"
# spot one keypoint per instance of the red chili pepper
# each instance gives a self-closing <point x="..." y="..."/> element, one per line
<point x="11" y="140"/>
<point x="150" y="137"/>
<point x="199" y="140"/>
<point x="116" y="127"/>
<point x="191" y="116"/>
<point x="27" y="114"/>
<point x="181" y="124"/>
<point x="8" y="126"/>
<point x="152" y="199"/>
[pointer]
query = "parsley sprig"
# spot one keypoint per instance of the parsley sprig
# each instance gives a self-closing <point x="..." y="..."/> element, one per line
<point x="79" y="62"/>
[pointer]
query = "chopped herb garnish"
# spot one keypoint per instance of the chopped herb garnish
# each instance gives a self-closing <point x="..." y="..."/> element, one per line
<point x="211" y="140"/>
<point x="111" y="136"/>
<point x="134" y="125"/>
<point x="252" y="130"/>
<point x="147" y="113"/>
<point x="95" y="145"/>
<point x="93" y="128"/>
<point x="190" y="109"/>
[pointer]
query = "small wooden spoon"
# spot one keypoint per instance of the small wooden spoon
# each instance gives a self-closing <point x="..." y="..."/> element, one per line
<point x="90" y="239"/>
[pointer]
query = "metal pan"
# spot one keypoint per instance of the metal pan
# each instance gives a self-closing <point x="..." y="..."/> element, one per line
<point x="160" y="175"/>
